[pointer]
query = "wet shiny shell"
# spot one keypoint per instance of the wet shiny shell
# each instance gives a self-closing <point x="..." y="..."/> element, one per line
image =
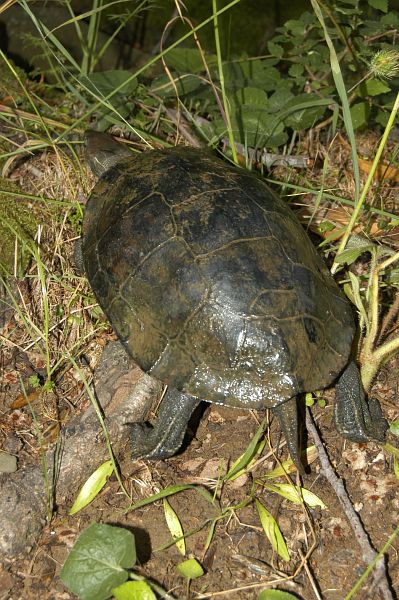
<point x="210" y="281"/>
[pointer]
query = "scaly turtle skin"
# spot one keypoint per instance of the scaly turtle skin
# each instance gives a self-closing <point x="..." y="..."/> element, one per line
<point x="214" y="288"/>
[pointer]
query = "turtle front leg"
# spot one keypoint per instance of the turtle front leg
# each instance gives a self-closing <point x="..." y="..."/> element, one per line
<point x="166" y="436"/>
<point x="357" y="418"/>
<point x="287" y="414"/>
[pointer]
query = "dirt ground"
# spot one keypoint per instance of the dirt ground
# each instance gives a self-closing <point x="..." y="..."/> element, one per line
<point x="239" y="562"/>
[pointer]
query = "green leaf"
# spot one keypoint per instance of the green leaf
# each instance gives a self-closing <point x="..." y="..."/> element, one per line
<point x="302" y="111"/>
<point x="92" y="487"/>
<point x="188" y="60"/>
<point x="276" y="595"/>
<point x="291" y="493"/>
<point x="275" y="49"/>
<point x="170" y="491"/>
<point x="190" y="569"/>
<point x="374" y="87"/>
<point x="359" y="114"/>
<point x="287" y="466"/>
<point x="396" y="467"/>
<point x="102" y="84"/>
<point x="175" y="527"/>
<point x="250" y="95"/>
<point x="296" y="70"/>
<point x="353" y="293"/>
<point x="379" y="5"/>
<point x="252" y="73"/>
<point x="280" y="97"/>
<point x="134" y="590"/>
<point x="394" y="427"/>
<point x="272" y="531"/>
<point x="253" y="448"/>
<point x="356" y="246"/>
<point x="98" y="561"/>
<point x="296" y="27"/>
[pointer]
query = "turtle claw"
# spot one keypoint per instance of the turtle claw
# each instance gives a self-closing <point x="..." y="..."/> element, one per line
<point x="287" y="414"/>
<point x="356" y="418"/>
<point x="166" y="436"/>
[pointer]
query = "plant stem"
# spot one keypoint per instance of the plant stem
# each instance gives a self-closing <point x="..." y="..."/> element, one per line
<point x="221" y="78"/>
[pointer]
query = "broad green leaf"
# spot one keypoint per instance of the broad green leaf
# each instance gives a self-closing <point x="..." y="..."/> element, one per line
<point x="134" y="590"/>
<point x="382" y="117"/>
<point x="190" y="569"/>
<point x="252" y="73"/>
<point x="272" y="531"/>
<point x="374" y="87"/>
<point x="302" y="112"/>
<point x="276" y="595"/>
<point x="275" y="49"/>
<point x="175" y="527"/>
<point x="390" y="20"/>
<point x="280" y="97"/>
<point x="291" y="493"/>
<point x="379" y="5"/>
<point x="296" y="70"/>
<point x="296" y="27"/>
<point x="359" y="114"/>
<point x="92" y="487"/>
<point x="102" y="83"/>
<point x="98" y="561"/>
<point x="255" y="127"/>
<point x="349" y="255"/>
<point x="251" y="96"/>
<point x="188" y="60"/>
<point x="396" y="467"/>
<point x="357" y="245"/>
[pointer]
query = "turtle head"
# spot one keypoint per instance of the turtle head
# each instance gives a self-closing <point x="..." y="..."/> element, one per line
<point x="102" y="151"/>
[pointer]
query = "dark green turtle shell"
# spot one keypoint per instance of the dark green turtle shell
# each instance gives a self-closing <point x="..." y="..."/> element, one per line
<point x="210" y="281"/>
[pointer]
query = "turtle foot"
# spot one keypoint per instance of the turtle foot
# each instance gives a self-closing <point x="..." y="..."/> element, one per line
<point x="356" y="418"/>
<point x="287" y="414"/>
<point x="166" y="436"/>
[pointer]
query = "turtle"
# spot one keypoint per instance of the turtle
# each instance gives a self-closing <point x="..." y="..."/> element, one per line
<point x="214" y="288"/>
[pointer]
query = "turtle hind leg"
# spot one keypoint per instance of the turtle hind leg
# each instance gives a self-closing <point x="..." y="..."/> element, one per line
<point x="287" y="414"/>
<point x="166" y="436"/>
<point x="357" y="418"/>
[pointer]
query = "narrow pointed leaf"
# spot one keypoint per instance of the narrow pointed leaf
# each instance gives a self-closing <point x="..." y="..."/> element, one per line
<point x="92" y="487"/>
<point x="272" y="531"/>
<point x="245" y="459"/>
<point x="175" y="527"/>
<point x="291" y="493"/>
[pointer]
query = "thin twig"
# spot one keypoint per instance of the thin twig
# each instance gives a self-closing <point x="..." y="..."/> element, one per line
<point x="389" y="317"/>
<point x="368" y="553"/>
<point x="267" y="159"/>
